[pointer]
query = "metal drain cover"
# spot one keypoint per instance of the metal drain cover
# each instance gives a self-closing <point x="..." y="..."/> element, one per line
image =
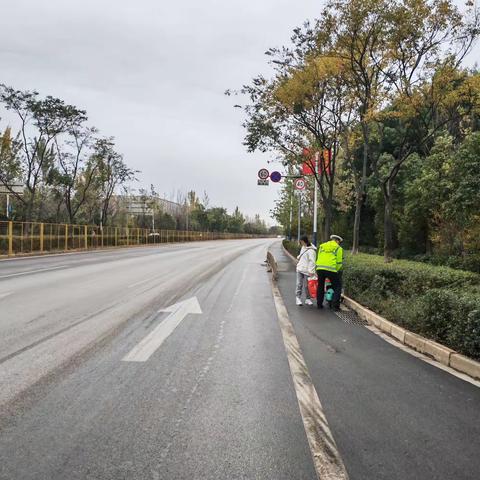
<point x="350" y="317"/>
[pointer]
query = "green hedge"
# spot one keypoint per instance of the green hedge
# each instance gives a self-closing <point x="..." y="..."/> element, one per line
<point x="470" y="261"/>
<point x="440" y="303"/>
<point x="292" y="247"/>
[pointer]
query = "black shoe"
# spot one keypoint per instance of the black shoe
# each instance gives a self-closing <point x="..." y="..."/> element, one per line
<point x="319" y="306"/>
<point x="336" y="309"/>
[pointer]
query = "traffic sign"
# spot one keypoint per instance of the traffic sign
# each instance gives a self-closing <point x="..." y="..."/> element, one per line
<point x="263" y="174"/>
<point x="275" y="177"/>
<point x="12" y="188"/>
<point x="300" y="184"/>
<point x="263" y="181"/>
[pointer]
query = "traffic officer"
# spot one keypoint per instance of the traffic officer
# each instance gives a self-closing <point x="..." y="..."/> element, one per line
<point x="329" y="264"/>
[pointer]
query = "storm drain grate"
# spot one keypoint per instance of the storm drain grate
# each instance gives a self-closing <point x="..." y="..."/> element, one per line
<point x="350" y="317"/>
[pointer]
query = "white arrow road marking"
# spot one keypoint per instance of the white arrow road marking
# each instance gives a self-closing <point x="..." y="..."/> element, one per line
<point x="143" y="350"/>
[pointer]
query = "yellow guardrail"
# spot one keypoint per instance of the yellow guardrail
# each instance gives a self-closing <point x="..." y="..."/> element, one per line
<point x="21" y="238"/>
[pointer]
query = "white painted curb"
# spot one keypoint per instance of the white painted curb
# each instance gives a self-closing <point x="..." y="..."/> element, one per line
<point x="444" y="355"/>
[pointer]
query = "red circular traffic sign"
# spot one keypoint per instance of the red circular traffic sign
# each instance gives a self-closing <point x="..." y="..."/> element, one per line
<point x="300" y="184"/>
<point x="263" y="174"/>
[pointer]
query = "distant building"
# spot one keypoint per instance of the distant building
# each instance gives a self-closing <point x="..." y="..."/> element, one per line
<point x="145" y="205"/>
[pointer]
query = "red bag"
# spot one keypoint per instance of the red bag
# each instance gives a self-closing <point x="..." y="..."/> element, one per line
<point x="312" y="287"/>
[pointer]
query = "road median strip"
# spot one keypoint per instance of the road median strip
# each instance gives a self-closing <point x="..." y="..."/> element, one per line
<point x="442" y="354"/>
<point x="325" y="455"/>
<point x="327" y="460"/>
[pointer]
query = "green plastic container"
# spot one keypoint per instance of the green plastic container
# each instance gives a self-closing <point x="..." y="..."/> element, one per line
<point x="329" y="295"/>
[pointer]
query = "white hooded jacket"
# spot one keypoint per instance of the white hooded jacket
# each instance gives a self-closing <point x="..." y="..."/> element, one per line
<point x="306" y="260"/>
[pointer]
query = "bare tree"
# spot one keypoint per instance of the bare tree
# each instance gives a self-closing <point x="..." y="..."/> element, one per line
<point x="48" y="118"/>
<point x="75" y="179"/>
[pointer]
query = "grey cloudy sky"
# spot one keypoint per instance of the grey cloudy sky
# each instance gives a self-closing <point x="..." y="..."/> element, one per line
<point x="152" y="73"/>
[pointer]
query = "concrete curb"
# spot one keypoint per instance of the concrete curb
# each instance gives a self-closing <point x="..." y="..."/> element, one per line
<point x="444" y="355"/>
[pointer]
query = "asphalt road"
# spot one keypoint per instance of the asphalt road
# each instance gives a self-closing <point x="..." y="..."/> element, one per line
<point x="215" y="399"/>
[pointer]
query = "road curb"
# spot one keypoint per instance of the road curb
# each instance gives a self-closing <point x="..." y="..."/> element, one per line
<point x="442" y="354"/>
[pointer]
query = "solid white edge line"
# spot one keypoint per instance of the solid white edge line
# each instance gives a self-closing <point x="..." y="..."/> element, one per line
<point x="326" y="458"/>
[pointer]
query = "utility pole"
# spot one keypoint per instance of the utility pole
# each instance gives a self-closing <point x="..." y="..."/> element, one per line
<point x="8" y="205"/>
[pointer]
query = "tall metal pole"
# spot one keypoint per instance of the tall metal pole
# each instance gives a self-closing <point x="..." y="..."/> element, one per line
<point x="8" y="205"/>
<point x="299" y="215"/>
<point x="291" y="213"/>
<point x="315" y="201"/>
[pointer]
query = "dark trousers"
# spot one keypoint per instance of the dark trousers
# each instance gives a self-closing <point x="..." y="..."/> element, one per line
<point x="336" y="279"/>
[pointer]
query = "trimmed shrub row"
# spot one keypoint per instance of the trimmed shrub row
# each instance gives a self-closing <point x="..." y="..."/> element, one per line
<point x="470" y="261"/>
<point x="292" y="246"/>
<point x="441" y="303"/>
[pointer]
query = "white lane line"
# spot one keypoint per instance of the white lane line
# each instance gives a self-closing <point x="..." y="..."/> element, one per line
<point x="143" y="350"/>
<point x="143" y="281"/>
<point x="326" y="457"/>
<point x="28" y="272"/>
<point x="5" y="294"/>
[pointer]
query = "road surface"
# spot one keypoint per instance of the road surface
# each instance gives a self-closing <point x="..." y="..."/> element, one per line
<point x="169" y="363"/>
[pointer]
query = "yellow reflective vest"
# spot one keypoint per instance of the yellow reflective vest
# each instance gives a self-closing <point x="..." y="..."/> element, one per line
<point x="330" y="256"/>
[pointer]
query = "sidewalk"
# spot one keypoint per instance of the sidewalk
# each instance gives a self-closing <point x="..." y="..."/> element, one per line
<point x="392" y="415"/>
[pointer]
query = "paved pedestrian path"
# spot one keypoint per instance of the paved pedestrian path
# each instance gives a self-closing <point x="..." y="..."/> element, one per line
<point x="392" y="415"/>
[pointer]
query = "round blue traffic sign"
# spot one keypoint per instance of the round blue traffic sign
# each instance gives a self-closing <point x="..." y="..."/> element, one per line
<point x="275" y="176"/>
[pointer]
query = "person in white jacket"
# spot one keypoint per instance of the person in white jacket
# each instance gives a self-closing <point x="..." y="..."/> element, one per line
<point x="305" y="269"/>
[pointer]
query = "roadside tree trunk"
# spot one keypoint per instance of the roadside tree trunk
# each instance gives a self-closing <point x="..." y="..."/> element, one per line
<point x="388" y="238"/>
<point x="360" y="192"/>
<point x="356" y="223"/>
<point x="327" y="223"/>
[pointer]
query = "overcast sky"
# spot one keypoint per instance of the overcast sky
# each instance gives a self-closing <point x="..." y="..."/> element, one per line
<point x="152" y="74"/>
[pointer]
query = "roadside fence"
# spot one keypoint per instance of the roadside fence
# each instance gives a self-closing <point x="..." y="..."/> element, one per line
<point x="23" y="238"/>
